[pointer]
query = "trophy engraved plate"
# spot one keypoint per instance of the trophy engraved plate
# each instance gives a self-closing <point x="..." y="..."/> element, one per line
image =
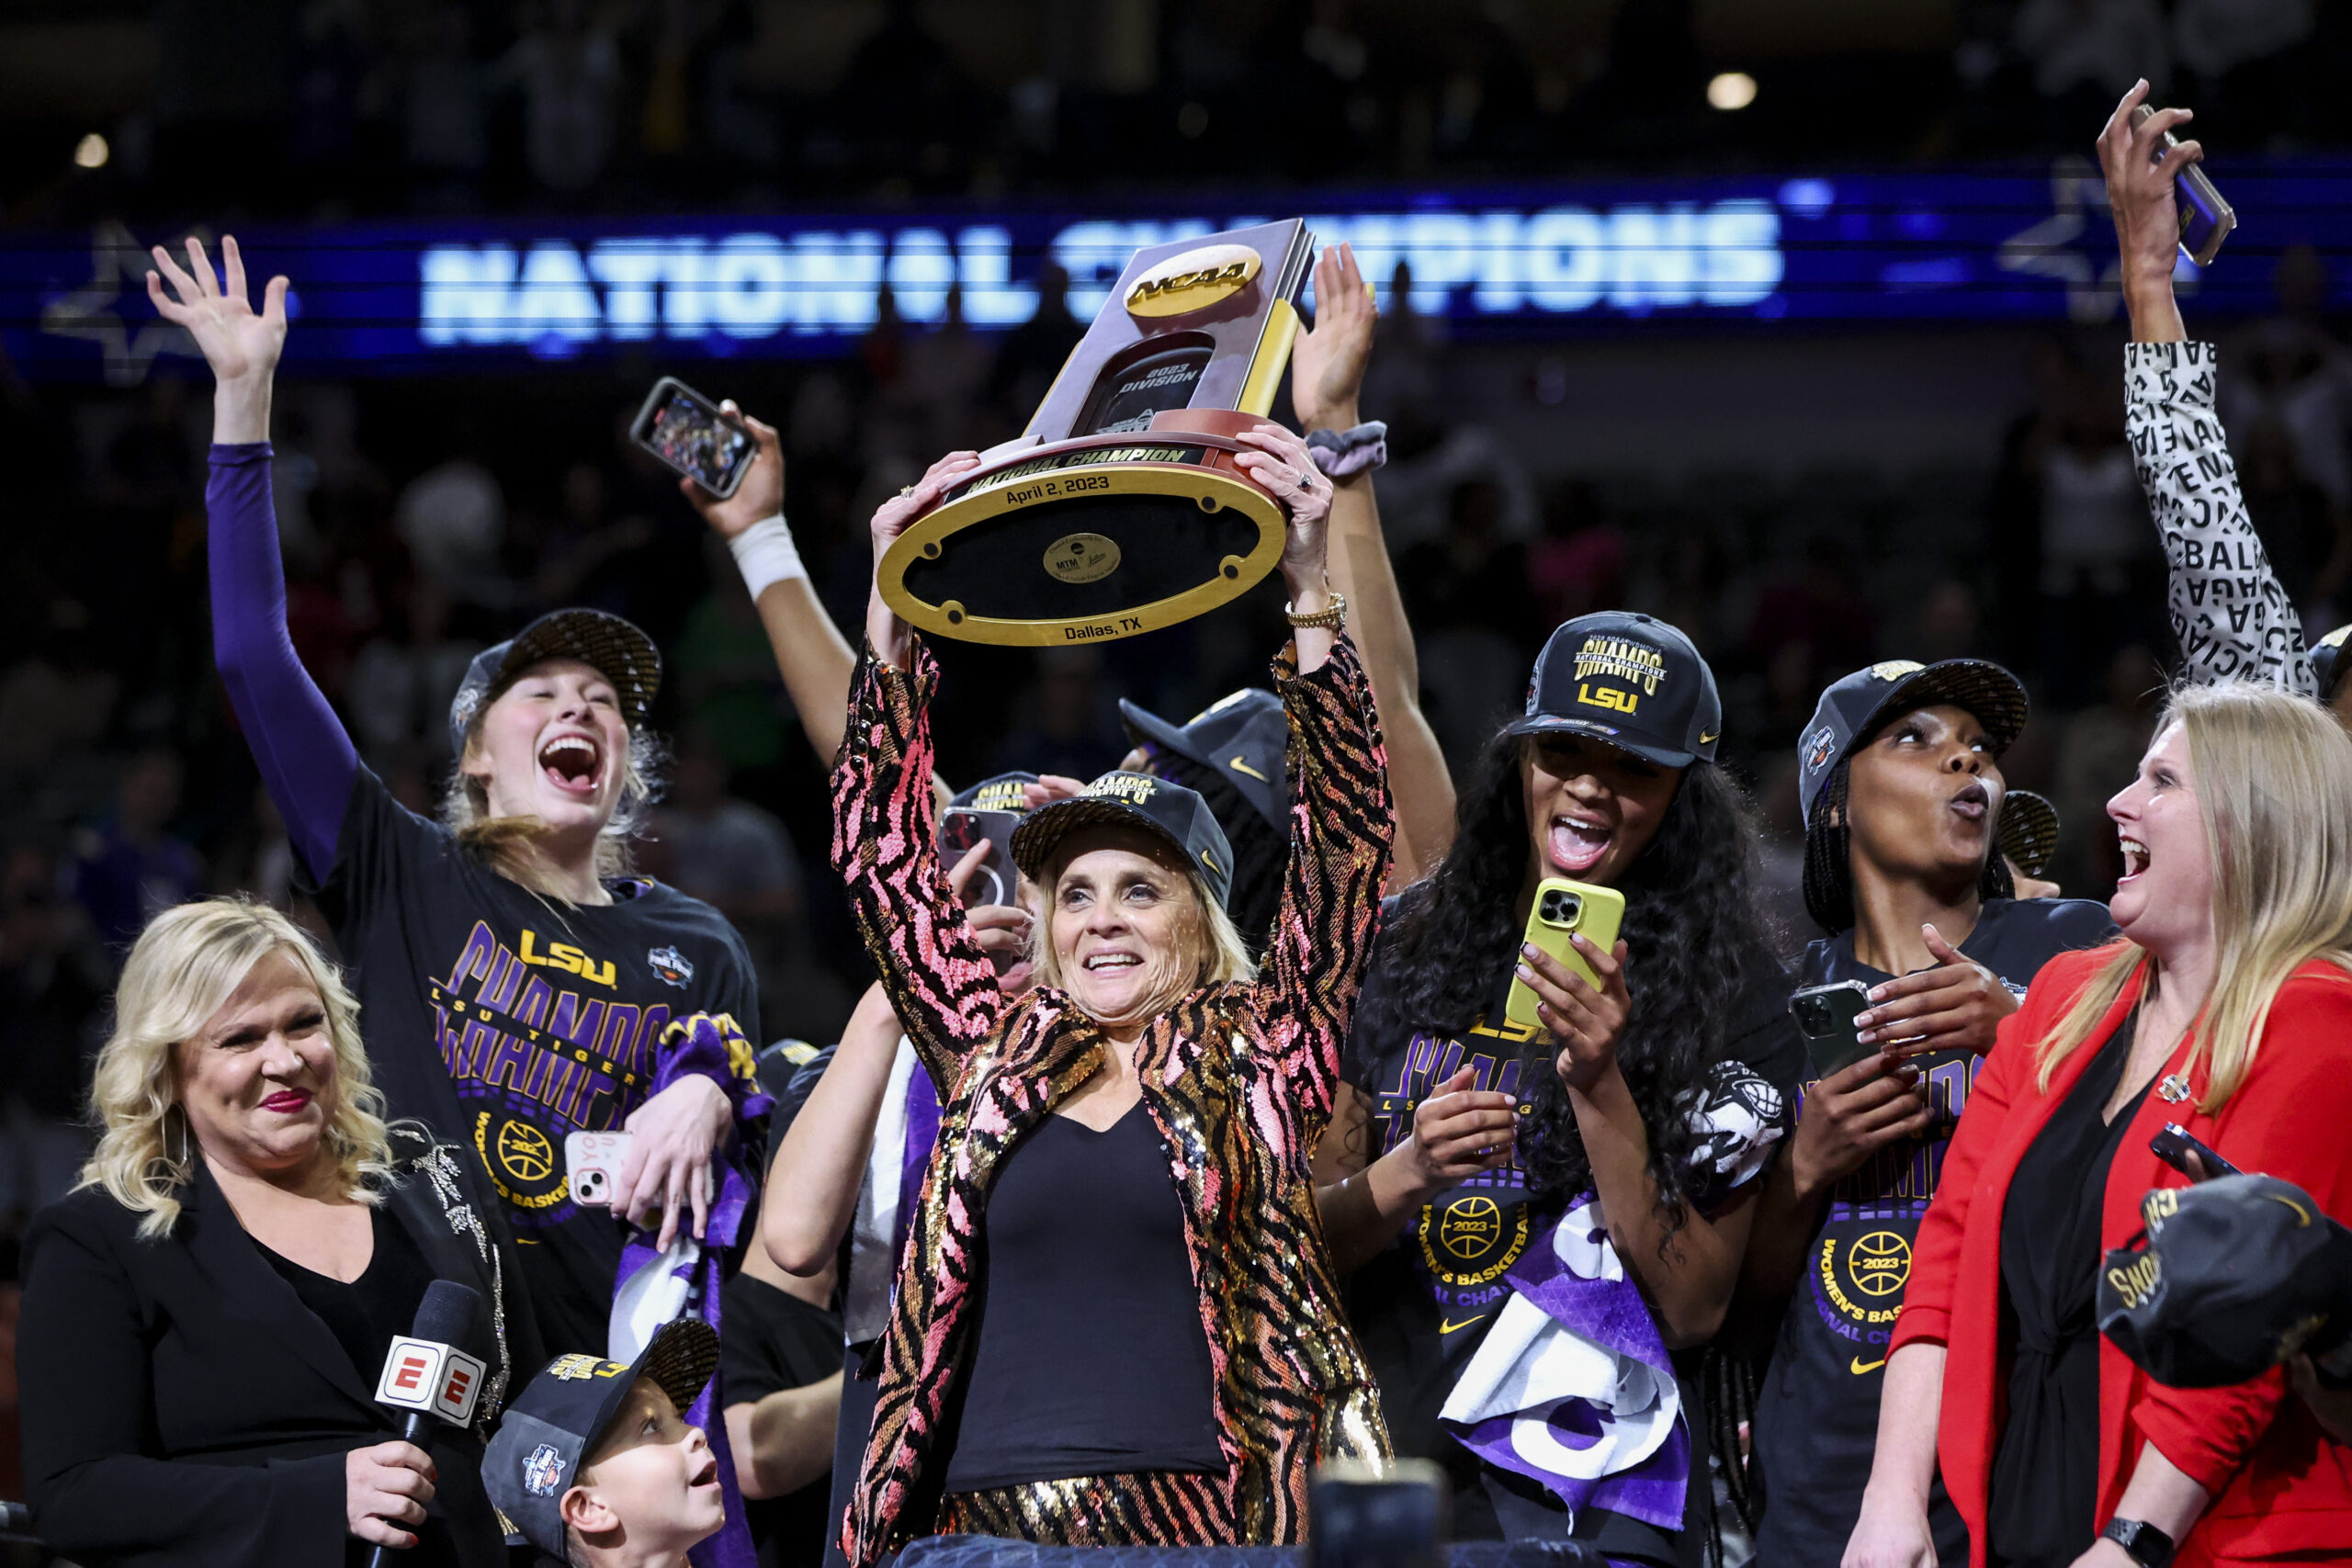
<point x="1120" y="509"/>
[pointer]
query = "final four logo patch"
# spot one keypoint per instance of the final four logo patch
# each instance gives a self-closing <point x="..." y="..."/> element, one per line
<point x="543" y="1471"/>
<point x="670" y="965"/>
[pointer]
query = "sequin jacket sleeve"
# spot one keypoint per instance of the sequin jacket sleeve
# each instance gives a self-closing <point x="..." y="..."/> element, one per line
<point x="1341" y="825"/>
<point x="2230" y="615"/>
<point x="886" y="846"/>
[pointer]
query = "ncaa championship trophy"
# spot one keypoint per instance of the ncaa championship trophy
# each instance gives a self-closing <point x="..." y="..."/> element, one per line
<point x="1120" y="509"/>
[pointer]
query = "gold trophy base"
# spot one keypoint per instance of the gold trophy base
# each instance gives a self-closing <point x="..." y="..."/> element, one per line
<point x="1089" y="540"/>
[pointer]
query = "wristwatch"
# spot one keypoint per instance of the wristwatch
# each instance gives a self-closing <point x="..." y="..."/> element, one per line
<point x="2143" y="1542"/>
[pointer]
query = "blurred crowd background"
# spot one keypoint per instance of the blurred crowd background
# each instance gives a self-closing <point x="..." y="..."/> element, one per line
<point x="1802" y="505"/>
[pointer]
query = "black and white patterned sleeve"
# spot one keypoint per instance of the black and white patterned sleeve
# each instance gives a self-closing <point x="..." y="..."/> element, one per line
<point x="2230" y="615"/>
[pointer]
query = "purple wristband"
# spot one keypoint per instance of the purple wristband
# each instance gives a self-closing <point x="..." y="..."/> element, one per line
<point x="1358" y="450"/>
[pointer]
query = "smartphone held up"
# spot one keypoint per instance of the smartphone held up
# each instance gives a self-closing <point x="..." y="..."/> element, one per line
<point x="1564" y="911"/>
<point x="694" y="436"/>
<point x="2205" y="218"/>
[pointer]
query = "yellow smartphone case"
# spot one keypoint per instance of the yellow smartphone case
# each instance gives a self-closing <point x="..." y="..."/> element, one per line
<point x="1564" y="908"/>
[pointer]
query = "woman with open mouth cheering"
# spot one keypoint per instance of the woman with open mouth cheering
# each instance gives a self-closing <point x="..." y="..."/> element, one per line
<point x="2226" y="1008"/>
<point x="517" y="984"/>
<point x="1573" y="1197"/>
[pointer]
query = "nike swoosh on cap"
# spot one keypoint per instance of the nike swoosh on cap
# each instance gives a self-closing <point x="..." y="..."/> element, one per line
<point x="1238" y="766"/>
<point x="1707" y="739"/>
<point x="1861" y="1366"/>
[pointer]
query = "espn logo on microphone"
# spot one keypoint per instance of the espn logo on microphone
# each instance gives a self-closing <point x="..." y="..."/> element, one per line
<point x="422" y="1375"/>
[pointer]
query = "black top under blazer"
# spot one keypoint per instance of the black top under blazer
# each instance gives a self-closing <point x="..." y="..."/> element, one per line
<point x="181" y="1406"/>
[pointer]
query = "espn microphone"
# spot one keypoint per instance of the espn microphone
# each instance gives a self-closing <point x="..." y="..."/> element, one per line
<point x="430" y="1371"/>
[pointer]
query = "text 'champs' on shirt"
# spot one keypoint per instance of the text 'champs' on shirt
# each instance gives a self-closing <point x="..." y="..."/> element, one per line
<point x="506" y="1022"/>
<point x="1817" y="1420"/>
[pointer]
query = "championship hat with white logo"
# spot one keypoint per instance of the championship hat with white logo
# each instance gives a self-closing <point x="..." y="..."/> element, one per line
<point x="1851" y="709"/>
<point x="1630" y="680"/>
<point x="1169" y="811"/>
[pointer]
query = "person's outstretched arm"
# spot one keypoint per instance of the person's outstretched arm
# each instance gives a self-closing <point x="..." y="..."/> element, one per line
<point x="1341" y="821"/>
<point x="306" y="759"/>
<point x="1326" y="379"/>
<point x="811" y="1195"/>
<point x="812" y="656"/>
<point x="941" y="982"/>
<point x="2230" y="615"/>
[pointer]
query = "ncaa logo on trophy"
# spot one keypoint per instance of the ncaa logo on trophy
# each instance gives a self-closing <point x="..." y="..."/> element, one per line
<point x="1120" y="510"/>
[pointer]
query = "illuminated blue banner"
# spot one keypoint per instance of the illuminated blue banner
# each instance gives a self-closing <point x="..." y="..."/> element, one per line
<point x="1525" y="262"/>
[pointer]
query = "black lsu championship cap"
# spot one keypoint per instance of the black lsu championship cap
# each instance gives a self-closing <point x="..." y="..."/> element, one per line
<point x="2231" y="1277"/>
<point x="1630" y="680"/>
<point x="1006" y="792"/>
<point x="1240" y="738"/>
<point x="605" y="643"/>
<point x="1137" y="800"/>
<point x="2328" y="663"/>
<point x="553" y="1425"/>
<point x="1854" y="707"/>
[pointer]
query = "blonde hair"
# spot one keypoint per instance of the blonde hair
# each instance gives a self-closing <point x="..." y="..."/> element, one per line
<point x="1207" y="927"/>
<point x="509" y="844"/>
<point x="185" y="967"/>
<point x="2274" y="787"/>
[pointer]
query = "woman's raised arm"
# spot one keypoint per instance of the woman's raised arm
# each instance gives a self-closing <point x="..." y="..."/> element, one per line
<point x="1341" y="821"/>
<point x="1327" y="371"/>
<point x="306" y="758"/>
<point x="2230" y="615"/>
<point x="939" y="979"/>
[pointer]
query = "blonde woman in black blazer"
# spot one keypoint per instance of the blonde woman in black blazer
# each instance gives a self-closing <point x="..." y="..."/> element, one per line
<point x="206" y="1316"/>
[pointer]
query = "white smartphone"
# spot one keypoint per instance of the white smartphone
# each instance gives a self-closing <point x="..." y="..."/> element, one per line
<point x="592" y="1162"/>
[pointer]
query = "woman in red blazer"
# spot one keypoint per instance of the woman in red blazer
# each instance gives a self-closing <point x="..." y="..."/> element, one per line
<point x="2226" y="1007"/>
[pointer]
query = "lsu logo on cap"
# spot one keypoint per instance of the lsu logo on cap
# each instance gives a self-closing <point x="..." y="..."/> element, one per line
<point x="1896" y="669"/>
<point x="1818" y="750"/>
<point x="2336" y="639"/>
<point x="543" y="1471"/>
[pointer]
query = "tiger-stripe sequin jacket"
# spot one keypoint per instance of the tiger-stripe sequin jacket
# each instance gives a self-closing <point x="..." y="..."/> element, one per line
<point x="1236" y="1077"/>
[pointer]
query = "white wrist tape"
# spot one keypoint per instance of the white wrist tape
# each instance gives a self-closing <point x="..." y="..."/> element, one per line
<point x="765" y="555"/>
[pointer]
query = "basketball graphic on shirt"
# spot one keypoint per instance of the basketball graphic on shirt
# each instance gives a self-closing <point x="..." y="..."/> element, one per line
<point x="1470" y="1239"/>
<point x="1469" y="1226"/>
<point x="525" y="1152"/>
<point x="1879" y="1263"/>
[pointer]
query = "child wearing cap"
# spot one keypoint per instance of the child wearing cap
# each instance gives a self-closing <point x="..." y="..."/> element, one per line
<point x="595" y="1465"/>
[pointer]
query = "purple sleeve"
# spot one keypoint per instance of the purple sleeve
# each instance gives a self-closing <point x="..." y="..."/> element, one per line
<point x="305" y="758"/>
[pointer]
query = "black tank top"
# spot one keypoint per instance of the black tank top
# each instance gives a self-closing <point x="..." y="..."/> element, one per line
<point x="1091" y="1357"/>
<point x="366" y="1313"/>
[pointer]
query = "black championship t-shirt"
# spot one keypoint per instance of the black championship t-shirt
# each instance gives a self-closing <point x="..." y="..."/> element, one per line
<point x="1423" y="1305"/>
<point x="506" y="1021"/>
<point x="1816" y="1417"/>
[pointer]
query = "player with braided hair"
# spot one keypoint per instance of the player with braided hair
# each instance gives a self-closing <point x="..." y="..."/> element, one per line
<point x="1900" y="779"/>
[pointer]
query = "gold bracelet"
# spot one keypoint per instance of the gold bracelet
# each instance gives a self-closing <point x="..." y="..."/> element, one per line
<point x="1332" y="615"/>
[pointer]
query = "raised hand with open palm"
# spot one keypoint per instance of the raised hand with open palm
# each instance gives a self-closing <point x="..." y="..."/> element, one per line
<point x="241" y="346"/>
